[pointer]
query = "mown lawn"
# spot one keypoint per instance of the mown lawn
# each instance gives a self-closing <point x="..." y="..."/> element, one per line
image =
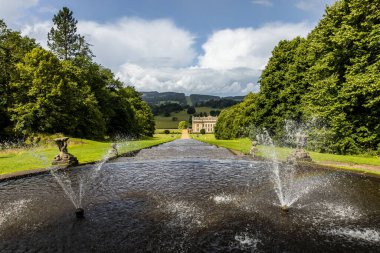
<point x="14" y="160"/>
<point x="244" y="145"/>
<point x="167" y="122"/>
<point x="241" y="145"/>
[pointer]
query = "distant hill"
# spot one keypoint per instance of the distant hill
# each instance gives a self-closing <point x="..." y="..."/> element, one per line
<point x="236" y="98"/>
<point x="154" y="98"/>
<point x="196" y="98"/>
<point x="157" y="98"/>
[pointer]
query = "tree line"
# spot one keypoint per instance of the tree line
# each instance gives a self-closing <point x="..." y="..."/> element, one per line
<point x="63" y="90"/>
<point x="332" y="77"/>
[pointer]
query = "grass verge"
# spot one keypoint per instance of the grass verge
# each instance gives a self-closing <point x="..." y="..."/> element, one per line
<point x="358" y="163"/>
<point x="168" y="122"/>
<point x="15" y="160"/>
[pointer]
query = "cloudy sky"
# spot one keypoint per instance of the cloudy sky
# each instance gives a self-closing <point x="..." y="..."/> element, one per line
<point x="194" y="46"/>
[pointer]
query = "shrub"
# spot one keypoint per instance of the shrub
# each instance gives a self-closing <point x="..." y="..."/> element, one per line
<point x="166" y="131"/>
<point x="182" y="125"/>
<point x="203" y="131"/>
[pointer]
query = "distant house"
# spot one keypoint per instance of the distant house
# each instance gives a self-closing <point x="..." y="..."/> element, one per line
<point x="206" y="123"/>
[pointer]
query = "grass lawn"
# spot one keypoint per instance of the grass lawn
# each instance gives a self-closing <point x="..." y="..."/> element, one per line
<point x="244" y="145"/>
<point x="14" y="160"/>
<point x="172" y="131"/>
<point x="241" y="145"/>
<point x="167" y="122"/>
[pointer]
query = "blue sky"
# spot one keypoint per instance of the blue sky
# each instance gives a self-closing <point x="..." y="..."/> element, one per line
<point x="193" y="46"/>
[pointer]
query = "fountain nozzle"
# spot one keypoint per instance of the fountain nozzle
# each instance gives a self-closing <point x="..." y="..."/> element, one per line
<point x="285" y="208"/>
<point x="79" y="213"/>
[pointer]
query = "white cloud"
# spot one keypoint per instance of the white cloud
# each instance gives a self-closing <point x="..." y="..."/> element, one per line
<point x="247" y="47"/>
<point x="157" y="43"/>
<point x="38" y="31"/>
<point x="313" y="5"/>
<point x="158" y="55"/>
<point x="11" y="10"/>
<point x="191" y="79"/>
<point x="263" y="2"/>
<point x="149" y="43"/>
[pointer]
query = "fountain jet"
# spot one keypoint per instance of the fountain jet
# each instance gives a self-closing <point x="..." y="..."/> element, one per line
<point x="285" y="208"/>
<point x="79" y="213"/>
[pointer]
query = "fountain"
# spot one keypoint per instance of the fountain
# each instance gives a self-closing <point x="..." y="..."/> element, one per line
<point x="300" y="154"/>
<point x="64" y="157"/>
<point x="288" y="189"/>
<point x="188" y="196"/>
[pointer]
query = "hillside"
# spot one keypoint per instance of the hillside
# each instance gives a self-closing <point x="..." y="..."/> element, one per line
<point x="172" y="121"/>
<point x="158" y="98"/>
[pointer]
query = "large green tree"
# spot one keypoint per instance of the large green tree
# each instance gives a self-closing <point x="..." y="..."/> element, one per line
<point x="345" y="84"/>
<point x="48" y="98"/>
<point x="63" y="39"/>
<point x="143" y="114"/>
<point x="234" y="122"/>
<point x="13" y="47"/>
<point x="282" y="85"/>
<point x="331" y="77"/>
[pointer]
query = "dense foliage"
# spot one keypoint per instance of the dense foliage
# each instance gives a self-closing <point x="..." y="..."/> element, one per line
<point x="182" y="125"/>
<point x="64" y="91"/>
<point x="165" y="109"/>
<point x="332" y="76"/>
<point x="158" y="98"/>
<point x="217" y="103"/>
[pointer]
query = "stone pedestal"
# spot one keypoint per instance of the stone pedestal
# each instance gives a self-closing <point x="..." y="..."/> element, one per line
<point x="254" y="149"/>
<point x="300" y="155"/>
<point x="64" y="157"/>
<point x="115" y="149"/>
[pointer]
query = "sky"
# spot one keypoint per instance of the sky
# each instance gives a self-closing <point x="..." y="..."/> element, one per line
<point x="216" y="47"/>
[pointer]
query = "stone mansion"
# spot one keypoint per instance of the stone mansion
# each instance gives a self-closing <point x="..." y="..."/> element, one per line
<point x="206" y="123"/>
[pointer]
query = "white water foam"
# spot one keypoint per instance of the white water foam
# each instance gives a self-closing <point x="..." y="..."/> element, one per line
<point x="245" y="241"/>
<point x="13" y="210"/>
<point x="342" y="211"/>
<point x="186" y="214"/>
<point x="365" y="234"/>
<point x="223" y="199"/>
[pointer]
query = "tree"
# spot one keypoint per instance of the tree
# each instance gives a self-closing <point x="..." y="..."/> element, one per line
<point x="144" y="117"/>
<point x="63" y="39"/>
<point x="232" y="122"/>
<point x="13" y="47"/>
<point x="344" y="78"/>
<point x="182" y="125"/>
<point x="191" y="110"/>
<point x="49" y="99"/>
<point x="331" y="77"/>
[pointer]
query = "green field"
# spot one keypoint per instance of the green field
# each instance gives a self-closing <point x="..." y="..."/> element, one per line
<point x="167" y="122"/>
<point x="13" y="160"/>
<point x="244" y="146"/>
<point x="188" y="100"/>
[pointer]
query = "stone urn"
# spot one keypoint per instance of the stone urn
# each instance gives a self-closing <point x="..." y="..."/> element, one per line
<point x="64" y="157"/>
<point x="254" y="149"/>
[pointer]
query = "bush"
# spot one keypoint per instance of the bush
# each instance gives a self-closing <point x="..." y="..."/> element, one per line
<point x="166" y="131"/>
<point x="203" y="131"/>
<point x="191" y="110"/>
<point x="182" y="125"/>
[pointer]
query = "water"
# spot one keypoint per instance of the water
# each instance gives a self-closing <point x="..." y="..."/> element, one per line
<point x="190" y="202"/>
<point x="289" y="185"/>
<point x="62" y="177"/>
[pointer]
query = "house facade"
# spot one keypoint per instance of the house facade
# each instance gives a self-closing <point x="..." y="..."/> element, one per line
<point x="206" y="123"/>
